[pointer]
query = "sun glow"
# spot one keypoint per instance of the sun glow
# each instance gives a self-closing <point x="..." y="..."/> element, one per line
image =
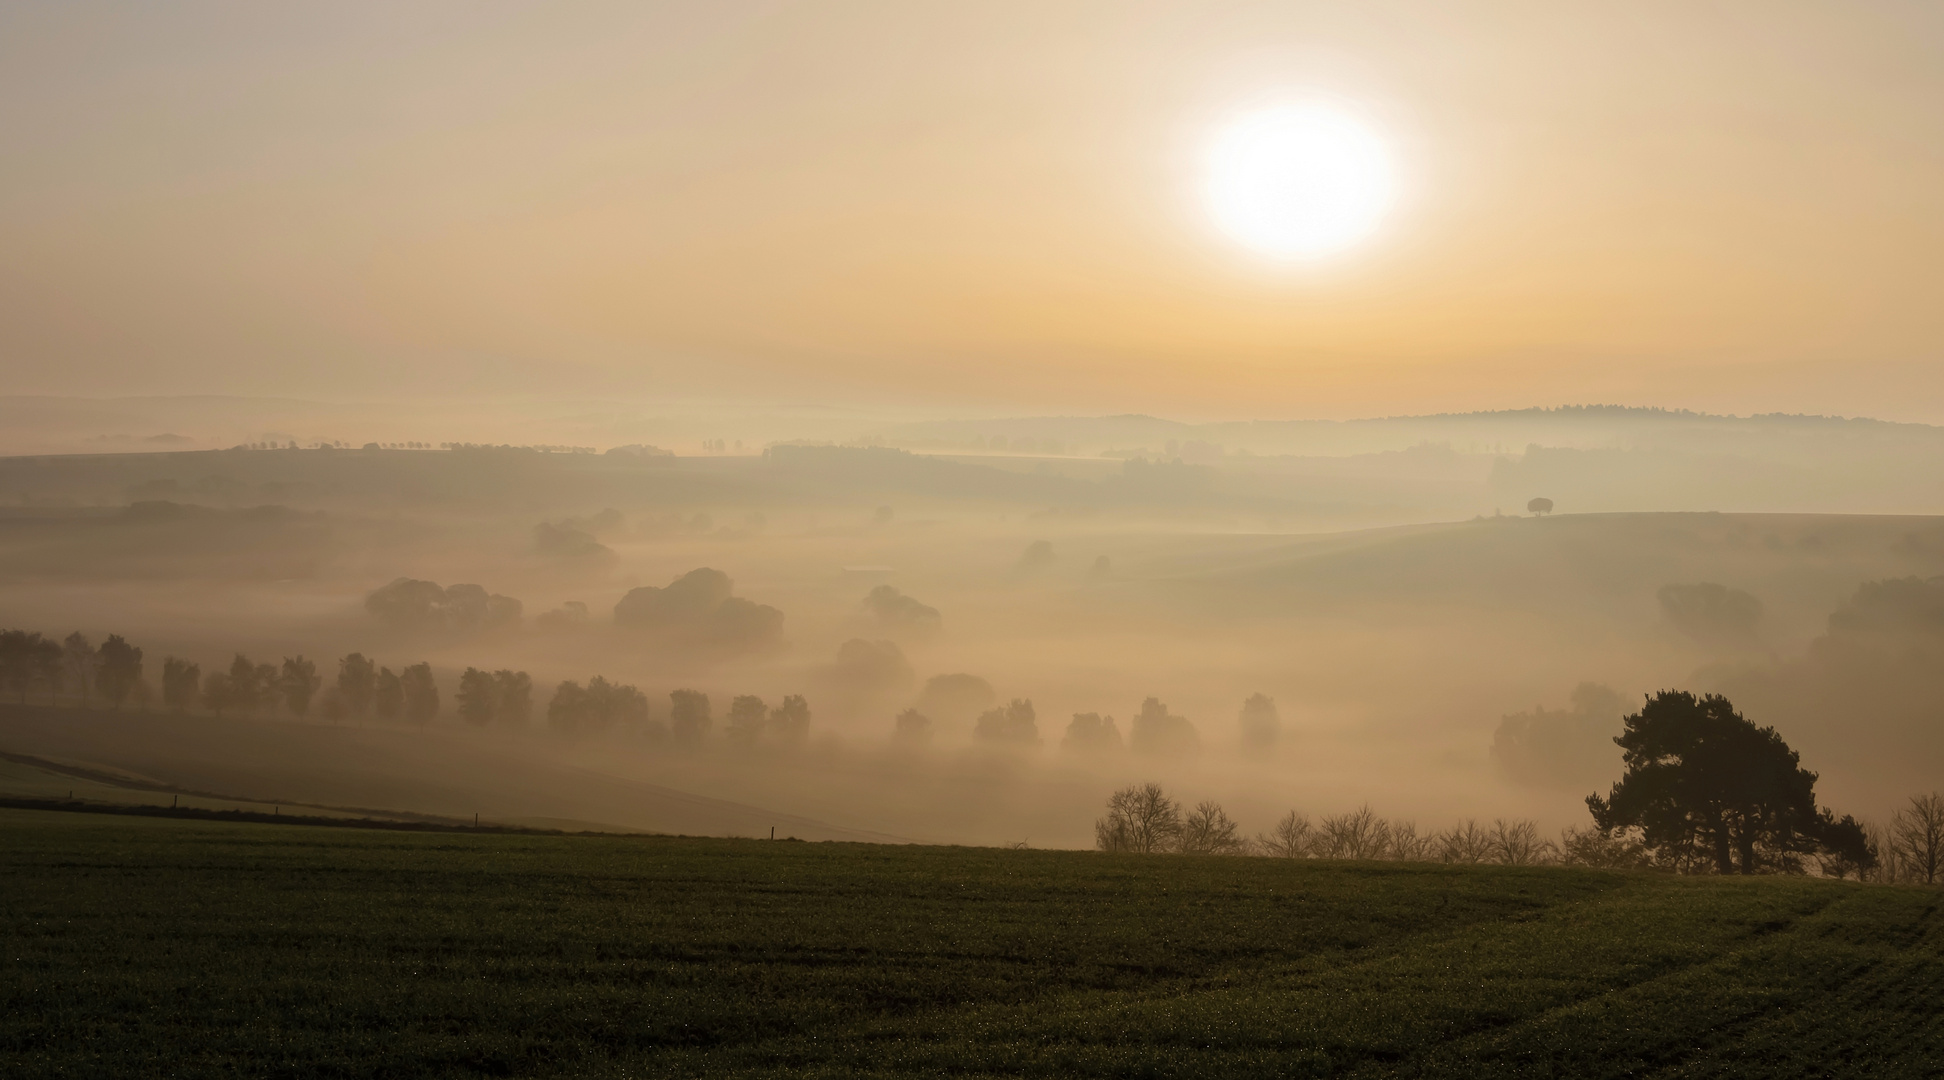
<point x="1299" y="181"/>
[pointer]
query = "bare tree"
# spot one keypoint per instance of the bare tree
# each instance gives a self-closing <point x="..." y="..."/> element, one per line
<point x="1409" y="845"/>
<point x="1917" y="837"/>
<point x="1208" y="830"/>
<point x="1890" y="866"/>
<point x="1360" y="834"/>
<point x="1517" y="843"/>
<point x="1139" y="819"/>
<point x="1593" y="846"/>
<point x="1290" y="839"/>
<point x="1464" y="843"/>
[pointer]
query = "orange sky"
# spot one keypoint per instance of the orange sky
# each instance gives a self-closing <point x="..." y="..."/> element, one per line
<point x="990" y="206"/>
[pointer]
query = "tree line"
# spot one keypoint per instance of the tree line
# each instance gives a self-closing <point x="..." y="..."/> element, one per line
<point x="33" y="664"/>
<point x="1705" y="791"/>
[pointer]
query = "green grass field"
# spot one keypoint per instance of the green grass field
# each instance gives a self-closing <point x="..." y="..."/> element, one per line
<point x="176" y="948"/>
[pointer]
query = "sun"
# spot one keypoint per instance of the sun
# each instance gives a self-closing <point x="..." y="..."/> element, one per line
<point x="1299" y="181"/>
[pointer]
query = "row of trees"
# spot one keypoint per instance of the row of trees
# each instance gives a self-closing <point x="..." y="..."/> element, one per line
<point x="1705" y="791"/>
<point x="1154" y="730"/>
<point x="31" y="662"/>
<point x="1143" y="819"/>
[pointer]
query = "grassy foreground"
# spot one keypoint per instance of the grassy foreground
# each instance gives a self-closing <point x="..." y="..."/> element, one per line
<point x="163" y="947"/>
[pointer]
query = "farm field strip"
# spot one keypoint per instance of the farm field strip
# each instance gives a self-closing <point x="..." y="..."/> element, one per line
<point x="222" y="949"/>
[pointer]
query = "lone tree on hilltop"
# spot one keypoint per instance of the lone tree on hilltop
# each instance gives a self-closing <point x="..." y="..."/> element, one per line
<point x="1709" y="790"/>
<point x="1539" y="506"/>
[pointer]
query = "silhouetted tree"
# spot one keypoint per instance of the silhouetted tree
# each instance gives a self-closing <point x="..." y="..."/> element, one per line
<point x="1140" y="819"/>
<point x="1260" y="722"/>
<point x="747" y="716"/>
<point x="1012" y="725"/>
<point x="1517" y="843"/>
<point x="1156" y="731"/>
<point x="568" y="709"/>
<point x="789" y="722"/>
<point x="388" y="695"/>
<point x="902" y="613"/>
<point x="688" y="716"/>
<point x="119" y="669"/>
<point x="180" y="680"/>
<point x="958" y="696"/>
<point x="1707" y="788"/>
<point x="912" y="728"/>
<point x="699" y="607"/>
<point x="1091" y="733"/>
<point x="1208" y="830"/>
<point x="1465" y="842"/>
<point x="421" y="693"/>
<point x="216" y="693"/>
<point x="298" y="682"/>
<point x="868" y="666"/>
<point x="1711" y="614"/>
<point x="80" y="658"/>
<point x="357" y="679"/>
<point x="244" y="688"/>
<point x="1408" y="845"/>
<point x="47" y="664"/>
<point x="1561" y="748"/>
<point x="1844" y="848"/>
<point x="27" y="660"/>
<point x="478" y="698"/>
<point x="1360" y="834"/>
<point x="1540" y="506"/>
<point x="1917" y="838"/>
<point x="1290" y="839"/>
<point x="515" y="694"/>
<point x="1607" y="850"/>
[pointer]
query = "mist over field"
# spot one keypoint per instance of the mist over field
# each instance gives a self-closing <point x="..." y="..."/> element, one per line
<point x="985" y="626"/>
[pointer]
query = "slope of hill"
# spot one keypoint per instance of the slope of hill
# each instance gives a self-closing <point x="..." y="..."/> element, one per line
<point x="435" y="771"/>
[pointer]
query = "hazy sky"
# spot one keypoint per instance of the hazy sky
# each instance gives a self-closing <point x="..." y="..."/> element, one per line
<point x="973" y="205"/>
